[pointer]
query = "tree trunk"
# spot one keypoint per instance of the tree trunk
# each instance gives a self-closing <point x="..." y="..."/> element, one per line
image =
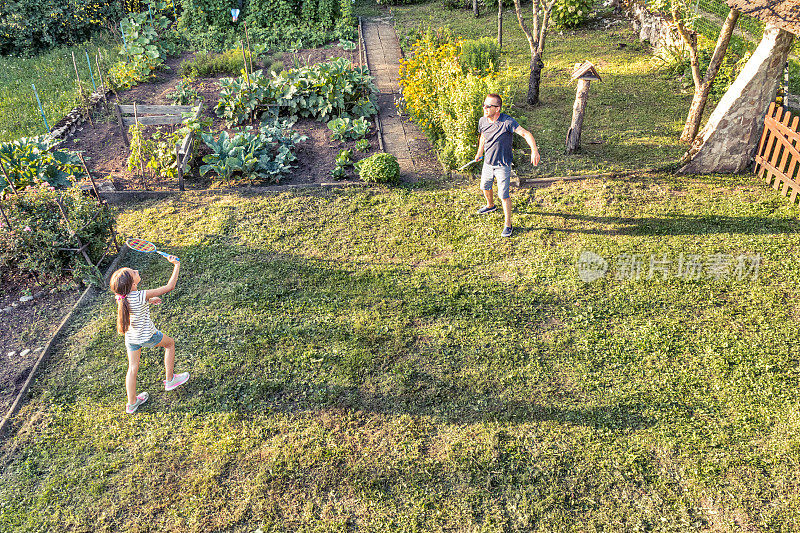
<point x="703" y="87"/>
<point x="475" y="8"/>
<point x="533" y="83"/>
<point x="695" y="116"/>
<point x="500" y="24"/>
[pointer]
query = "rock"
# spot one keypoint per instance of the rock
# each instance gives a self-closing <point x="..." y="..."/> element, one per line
<point x="24" y="352"/>
<point x="7" y="309"/>
<point x="12" y="354"/>
<point x="26" y="298"/>
<point x="14" y="304"/>
<point x="40" y="294"/>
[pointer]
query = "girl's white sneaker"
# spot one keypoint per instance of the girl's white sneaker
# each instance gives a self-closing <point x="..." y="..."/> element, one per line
<point x="176" y="381"/>
<point x="130" y="409"/>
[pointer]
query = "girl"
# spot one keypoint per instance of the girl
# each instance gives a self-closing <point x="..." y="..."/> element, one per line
<point x="133" y="320"/>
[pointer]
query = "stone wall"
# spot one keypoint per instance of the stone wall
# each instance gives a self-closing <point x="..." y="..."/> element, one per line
<point x="656" y="29"/>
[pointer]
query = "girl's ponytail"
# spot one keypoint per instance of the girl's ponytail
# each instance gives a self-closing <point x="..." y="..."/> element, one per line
<point x="121" y="284"/>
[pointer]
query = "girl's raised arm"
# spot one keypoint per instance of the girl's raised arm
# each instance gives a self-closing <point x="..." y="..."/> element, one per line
<point x="170" y="284"/>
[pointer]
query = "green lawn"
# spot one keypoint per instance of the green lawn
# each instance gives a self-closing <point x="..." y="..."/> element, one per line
<point x="381" y="360"/>
<point x="53" y="73"/>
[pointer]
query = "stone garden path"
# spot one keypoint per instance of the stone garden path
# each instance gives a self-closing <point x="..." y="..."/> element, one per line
<point x="401" y="137"/>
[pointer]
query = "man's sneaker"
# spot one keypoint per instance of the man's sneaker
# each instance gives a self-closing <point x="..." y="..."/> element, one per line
<point x="486" y="209"/>
<point x="130" y="409"/>
<point x="176" y="381"/>
<point x="507" y="231"/>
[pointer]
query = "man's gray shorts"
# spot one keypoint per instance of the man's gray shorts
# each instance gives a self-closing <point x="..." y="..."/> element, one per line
<point x="503" y="175"/>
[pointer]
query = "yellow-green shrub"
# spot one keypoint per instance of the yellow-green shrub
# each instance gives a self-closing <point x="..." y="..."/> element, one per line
<point x="445" y="101"/>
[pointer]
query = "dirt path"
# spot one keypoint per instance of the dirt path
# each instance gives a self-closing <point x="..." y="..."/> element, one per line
<point x="401" y="137"/>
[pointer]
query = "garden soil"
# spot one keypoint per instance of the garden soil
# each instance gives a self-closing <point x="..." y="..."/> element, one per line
<point x="27" y="326"/>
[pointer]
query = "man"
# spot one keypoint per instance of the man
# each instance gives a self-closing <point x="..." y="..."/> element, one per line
<point x="496" y="132"/>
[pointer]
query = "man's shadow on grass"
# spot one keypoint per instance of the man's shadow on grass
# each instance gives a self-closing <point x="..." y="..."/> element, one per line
<point x="667" y="225"/>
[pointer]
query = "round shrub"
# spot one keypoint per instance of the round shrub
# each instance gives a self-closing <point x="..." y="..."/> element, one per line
<point x="570" y="13"/>
<point x="37" y="230"/>
<point x="379" y="168"/>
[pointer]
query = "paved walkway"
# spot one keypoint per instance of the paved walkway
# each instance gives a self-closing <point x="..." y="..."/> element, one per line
<point x="401" y="137"/>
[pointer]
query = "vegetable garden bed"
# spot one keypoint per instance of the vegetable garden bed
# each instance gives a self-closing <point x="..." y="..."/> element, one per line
<point x="106" y="154"/>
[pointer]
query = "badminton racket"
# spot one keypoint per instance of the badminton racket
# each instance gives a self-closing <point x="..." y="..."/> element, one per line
<point x="465" y="165"/>
<point x="141" y="245"/>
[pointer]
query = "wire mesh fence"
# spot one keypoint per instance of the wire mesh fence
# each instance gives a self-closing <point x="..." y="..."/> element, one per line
<point x="709" y="15"/>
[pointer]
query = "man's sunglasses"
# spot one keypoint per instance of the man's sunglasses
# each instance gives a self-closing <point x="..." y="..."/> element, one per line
<point x="490" y="105"/>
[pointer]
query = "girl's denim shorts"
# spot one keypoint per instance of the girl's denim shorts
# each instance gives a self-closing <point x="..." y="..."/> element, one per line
<point x="155" y="339"/>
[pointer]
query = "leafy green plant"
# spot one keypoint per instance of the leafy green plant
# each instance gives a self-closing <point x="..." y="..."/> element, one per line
<point x="570" y="13"/>
<point x="37" y="230"/>
<point x="345" y="44"/>
<point x="481" y="56"/>
<point x="379" y="168"/>
<point x="184" y="93"/>
<point x="157" y="153"/>
<point x="319" y="91"/>
<point x="344" y="129"/>
<point x="363" y="145"/>
<point x="31" y="160"/>
<point x="264" y="153"/>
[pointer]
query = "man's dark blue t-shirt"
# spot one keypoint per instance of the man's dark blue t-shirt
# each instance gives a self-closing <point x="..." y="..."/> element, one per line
<point x="498" y="135"/>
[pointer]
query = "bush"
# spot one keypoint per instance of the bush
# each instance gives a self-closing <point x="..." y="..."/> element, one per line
<point x="570" y="13"/>
<point x="38" y="231"/>
<point x="208" y="64"/>
<point x="443" y="100"/>
<point x="379" y="168"/>
<point x="28" y="27"/>
<point x="29" y="161"/>
<point x="480" y="56"/>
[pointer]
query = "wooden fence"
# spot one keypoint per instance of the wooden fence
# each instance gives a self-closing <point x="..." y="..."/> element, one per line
<point x="778" y="156"/>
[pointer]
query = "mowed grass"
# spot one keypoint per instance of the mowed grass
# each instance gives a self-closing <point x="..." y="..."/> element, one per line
<point x="381" y="360"/>
<point x="53" y="73"/>
<point x="634" y="116"/>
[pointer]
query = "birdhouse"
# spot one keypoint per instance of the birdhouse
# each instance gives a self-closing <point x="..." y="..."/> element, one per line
<point x="584" y="73"/>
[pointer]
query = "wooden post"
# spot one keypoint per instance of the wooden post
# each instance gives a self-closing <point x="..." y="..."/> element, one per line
<point x="179" y="163"/>
<point x="122" y="126"/>
<point x="136" y="124"/>
<point x="578" y="109"/>
<point x="584" y="73"/>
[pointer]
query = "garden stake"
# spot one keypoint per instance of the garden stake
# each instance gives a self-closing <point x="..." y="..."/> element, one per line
<point x="94" y="185"/>
<point x="36" y="93"/>
<point x="244" y="60"/>
<point x="248" y="46"/>
<point x="8" y="224"/>
<point x="81" y="248"/>
<point x="90" y="70"/>
<point x="80" y="90"/>
<point x="8" y="180"/>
